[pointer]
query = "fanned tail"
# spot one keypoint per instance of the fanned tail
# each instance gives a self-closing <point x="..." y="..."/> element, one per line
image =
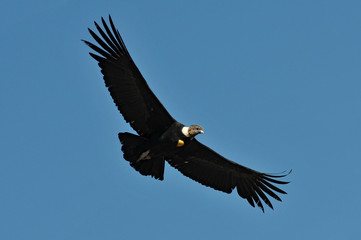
<point x="136" y="151"/>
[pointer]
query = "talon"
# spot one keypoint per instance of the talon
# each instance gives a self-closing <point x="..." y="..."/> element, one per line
<point x="180" y="143"/>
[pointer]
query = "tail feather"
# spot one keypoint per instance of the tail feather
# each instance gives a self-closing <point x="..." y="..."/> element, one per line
<point x="133" y="147"/>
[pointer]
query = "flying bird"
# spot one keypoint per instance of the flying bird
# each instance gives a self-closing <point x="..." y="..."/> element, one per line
<point x="161" y="138"/>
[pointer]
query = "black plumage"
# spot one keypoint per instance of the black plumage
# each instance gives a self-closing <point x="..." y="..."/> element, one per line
<point x="161" y="138"/>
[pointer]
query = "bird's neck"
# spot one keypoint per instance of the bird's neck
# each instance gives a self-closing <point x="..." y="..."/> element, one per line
<point x="185" y="131"/>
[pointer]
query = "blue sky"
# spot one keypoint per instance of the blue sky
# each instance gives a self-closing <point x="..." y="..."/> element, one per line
<point x="275" y="84"/>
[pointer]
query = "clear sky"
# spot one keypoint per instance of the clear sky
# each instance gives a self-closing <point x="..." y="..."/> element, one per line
<point x="275" y="84"/>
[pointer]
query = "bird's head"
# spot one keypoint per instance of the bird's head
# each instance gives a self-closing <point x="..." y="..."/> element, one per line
<point x="193" y="130"/>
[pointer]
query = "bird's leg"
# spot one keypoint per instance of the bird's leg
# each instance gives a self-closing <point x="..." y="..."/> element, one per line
<point x="144" y="156"/>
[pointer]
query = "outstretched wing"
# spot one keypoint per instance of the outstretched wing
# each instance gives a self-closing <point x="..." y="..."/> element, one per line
<point x="207" y="167"/>
<point x="130" y="92"/>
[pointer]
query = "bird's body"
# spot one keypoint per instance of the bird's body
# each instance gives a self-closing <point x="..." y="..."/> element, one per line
<point x="161" y="138"/>
<point x="147" y="155"/>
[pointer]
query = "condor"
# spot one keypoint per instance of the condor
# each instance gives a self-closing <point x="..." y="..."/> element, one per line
<point x="161" y="138"/>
